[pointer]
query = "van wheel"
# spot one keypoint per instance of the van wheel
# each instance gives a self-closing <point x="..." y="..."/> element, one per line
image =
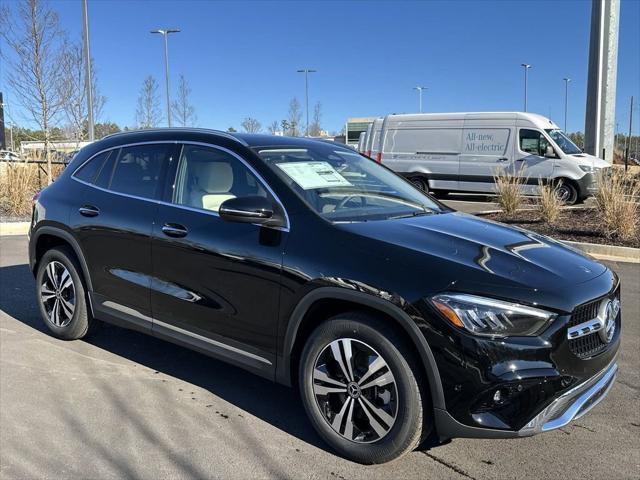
<point x="62" y="294"/>
<point x="567" y="192"/>
<point x="359" y="384"/>
<point x="420" y="183"/>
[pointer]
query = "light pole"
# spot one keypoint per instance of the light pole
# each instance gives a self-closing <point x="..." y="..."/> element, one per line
<point x="306" y="72"/>
<point x="526" y="69"/>
<point x="87" y="69"/>
<point x="165" y="33"/>
<point x="566" y="100"/>
<point x="420" y="89"/>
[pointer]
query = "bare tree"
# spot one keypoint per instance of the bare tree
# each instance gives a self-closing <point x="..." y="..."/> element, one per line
<point x="315" y="129"/>
<point x="295" y="115"/>
<point x="35" y="37"/>
<point x="251" y="125"/>
<point x="148" y="113"/>
<point x="183" y="111"/>
<point x="273" y="127"/>
<point x="73" y="92"/>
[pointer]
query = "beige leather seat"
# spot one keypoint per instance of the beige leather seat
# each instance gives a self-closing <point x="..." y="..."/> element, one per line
<point x="213" y="182"/>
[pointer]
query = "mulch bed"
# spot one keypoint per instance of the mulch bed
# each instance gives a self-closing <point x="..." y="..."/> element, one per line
<point x="575" y="224"/>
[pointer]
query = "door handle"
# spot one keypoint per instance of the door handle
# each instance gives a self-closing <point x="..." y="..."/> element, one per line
<point x="89" y="211"/>
<point x="174" y="230"/>
<point x="503" y="159"/>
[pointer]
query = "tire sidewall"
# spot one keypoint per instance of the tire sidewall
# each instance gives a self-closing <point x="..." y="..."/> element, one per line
<point x="572" y="196"/>
<point x="78" y="325"/>
<point x="408" y="423"/>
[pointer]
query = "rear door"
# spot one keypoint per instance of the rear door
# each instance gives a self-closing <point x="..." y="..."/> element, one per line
<point x="216" y="283"/>
<point x="113" y="224"/>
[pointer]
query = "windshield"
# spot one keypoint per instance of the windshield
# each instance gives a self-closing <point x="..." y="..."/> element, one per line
<point x="565" y="144"/>
<point x="343" y="186"/>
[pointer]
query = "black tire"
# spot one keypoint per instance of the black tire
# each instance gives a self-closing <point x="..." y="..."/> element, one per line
<point x="420" y="183"/>
<point x="80" y="322"/>
<point x="567" y="192"/>
<point x="413" y="416"/>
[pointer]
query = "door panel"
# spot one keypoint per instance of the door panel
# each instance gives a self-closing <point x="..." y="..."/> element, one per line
<point x="530" y="161"/>
<point x="213" y="280"/>
<point x="114" y="229"/>
<point x="485" y="152"/>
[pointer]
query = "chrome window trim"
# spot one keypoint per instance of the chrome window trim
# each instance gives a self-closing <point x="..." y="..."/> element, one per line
<point x="285" y="228"/>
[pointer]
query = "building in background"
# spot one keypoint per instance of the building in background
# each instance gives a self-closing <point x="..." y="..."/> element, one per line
<point x="354" y="127"/>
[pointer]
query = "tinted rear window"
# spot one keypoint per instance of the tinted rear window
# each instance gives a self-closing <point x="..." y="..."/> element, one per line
<point x="89" y="170"/>
<point x="137" y="170"/>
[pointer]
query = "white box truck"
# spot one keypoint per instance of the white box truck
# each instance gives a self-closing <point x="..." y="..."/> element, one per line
<point x="462" y="152"/>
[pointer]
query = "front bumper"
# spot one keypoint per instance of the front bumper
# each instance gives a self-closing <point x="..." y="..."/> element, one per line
<point x="567" y="407"/>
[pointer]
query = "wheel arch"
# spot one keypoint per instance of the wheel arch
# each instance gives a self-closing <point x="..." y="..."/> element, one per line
<point x="47" y="237"/>
<point x="324" y="302"/>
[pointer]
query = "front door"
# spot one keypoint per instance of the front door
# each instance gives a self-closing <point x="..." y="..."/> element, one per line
<point x="216" y="283"/>
<point x="530" y="161"/>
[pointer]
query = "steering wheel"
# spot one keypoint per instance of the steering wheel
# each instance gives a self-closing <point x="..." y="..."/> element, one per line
<point x="347" y="199"/>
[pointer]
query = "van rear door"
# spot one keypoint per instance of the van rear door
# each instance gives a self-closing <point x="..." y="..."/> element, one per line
<point x="487" y="148"/>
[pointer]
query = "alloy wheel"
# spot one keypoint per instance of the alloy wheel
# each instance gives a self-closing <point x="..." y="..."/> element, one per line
<point x="58" y="294"/>
<point x="355" y="390"/>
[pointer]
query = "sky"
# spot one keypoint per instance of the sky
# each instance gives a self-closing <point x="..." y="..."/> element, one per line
<point x="240" y="58"/>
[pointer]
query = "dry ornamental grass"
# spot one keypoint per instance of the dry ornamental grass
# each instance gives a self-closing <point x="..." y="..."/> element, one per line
<point x="509" y="190"/>
<point x="550" y="204"/>
<point x="617" y="202"/>
<point x="19" y="182"/>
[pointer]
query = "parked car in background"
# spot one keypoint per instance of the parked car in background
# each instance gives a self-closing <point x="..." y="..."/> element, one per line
<point x="462" y="152"/>
<point x="9" y="156"/>
<point x="311" y="265"/>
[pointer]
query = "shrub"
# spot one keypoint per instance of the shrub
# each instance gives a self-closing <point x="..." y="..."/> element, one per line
<point x="616" y="200"/>
<point x="19" y="182"/>
<point x="509" y="188"/>
<point x="550" y="203"/>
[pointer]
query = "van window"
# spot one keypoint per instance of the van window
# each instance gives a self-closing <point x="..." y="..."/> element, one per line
<point x="425" y="140"/>
<point x="533" y="142"/>
<point x="207" y="177"/>
<point x="137" y="169"/>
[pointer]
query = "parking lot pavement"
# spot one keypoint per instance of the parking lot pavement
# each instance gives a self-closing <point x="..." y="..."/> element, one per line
<point x="125" y="405"/>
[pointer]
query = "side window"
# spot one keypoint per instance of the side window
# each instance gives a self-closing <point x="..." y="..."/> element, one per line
<point x="206" y="177"/>
<point x="137" y="169"/>
<point x="89" y="170"/>
<point x="533" y="142"/>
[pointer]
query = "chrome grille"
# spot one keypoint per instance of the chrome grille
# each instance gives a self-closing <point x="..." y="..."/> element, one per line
<point x="589" y="345"/>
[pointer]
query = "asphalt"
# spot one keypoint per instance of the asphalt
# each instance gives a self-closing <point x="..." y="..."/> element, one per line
<point x="124" y="405"/>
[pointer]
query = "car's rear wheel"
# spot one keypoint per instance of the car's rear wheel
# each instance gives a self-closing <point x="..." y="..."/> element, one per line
<point x="62" y="294"/>
<point x="420" y="183"/>
<point x="360" y="387"/>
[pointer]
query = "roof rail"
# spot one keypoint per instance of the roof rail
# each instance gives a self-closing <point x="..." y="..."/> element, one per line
<point x="180" y="129"/>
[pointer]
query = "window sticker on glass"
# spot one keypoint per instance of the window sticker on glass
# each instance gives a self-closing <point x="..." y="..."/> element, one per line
<point x="310" y="175"/>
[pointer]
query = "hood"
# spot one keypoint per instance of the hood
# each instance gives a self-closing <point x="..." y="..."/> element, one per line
<point x="480" y="249"/>
<point x="589" y="160"/>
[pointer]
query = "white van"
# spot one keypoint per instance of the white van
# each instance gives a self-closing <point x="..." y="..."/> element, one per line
<point x="373" y="138"/>
<point x="445" y="152"/>
<point x="361" y="140"/>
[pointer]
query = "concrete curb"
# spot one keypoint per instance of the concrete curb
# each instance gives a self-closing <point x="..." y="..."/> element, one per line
<point x="14" y="228"/>
<point x="607" y="252"/>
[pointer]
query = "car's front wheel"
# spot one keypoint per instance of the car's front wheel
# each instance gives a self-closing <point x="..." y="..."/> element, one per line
<point x="360" y="384"/>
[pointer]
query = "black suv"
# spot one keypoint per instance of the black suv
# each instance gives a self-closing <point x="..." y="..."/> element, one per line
<point x="311" y="265"/>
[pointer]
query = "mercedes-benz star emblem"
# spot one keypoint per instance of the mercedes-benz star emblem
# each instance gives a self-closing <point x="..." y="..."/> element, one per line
<point x="609" y="310"/>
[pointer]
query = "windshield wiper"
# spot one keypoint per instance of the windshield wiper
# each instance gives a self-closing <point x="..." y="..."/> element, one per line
<point x="414" y="214"/>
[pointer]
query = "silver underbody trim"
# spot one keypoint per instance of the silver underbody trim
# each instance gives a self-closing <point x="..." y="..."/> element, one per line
<point x="572" y="404"/>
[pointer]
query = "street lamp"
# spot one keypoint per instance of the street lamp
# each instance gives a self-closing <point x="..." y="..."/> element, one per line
<point x="87" y="73"/>
<point x="306" y="72"/>
<point x="165" y="33"/>
<point x="526" y="69"/>
<point x="566" y="100"/>
<point x="420" y="89"/>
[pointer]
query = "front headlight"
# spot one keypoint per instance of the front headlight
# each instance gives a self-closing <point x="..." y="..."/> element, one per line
<point x="489" y="317"/>
<point x="588" y="169"/>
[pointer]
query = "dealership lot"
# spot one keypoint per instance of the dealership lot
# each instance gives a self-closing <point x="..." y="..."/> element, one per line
<point x="122" y="404"/>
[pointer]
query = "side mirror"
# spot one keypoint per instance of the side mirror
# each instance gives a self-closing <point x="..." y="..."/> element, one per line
<point x="253" y="209"/>
<point x="550" y="152"/>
